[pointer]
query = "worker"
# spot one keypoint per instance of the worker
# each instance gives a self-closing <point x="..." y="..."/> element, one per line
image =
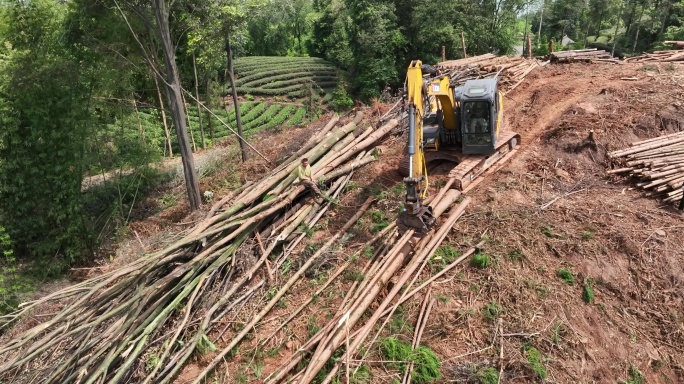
<point x="306" y="178"/>
<point x="681" y="203"/>
<point x="478" y="121"/>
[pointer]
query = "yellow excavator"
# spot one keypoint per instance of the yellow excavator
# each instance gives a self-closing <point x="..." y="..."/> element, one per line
<point x="461" y="124"/>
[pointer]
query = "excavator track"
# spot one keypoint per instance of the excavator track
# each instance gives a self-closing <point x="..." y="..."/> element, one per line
<point x="472" y="166"/>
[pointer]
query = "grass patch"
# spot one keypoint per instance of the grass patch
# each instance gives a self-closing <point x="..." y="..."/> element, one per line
<point x="380" y="222"/>
<point x="588" y="293"/>
<point x="535" y="359"/>
<point x="480" y="261"/>
<point x="426" y="363"/>
<point x="487" y="375"/>
<point x="312" y="325"/>
<point x="635" y="376"/>
<point x="444" y="256"/>
<point x="548" y="232"/>
<point x="515" y="255"/>
<point x="400" y="322"/>
<point x="354" y="275"/>
<point x="492" y="311"/>
<point x="566" y="276"/>
<point x="557" y="332"/>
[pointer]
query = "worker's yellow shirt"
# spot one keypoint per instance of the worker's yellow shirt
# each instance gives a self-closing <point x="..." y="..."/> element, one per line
<point x="304" y="173"/>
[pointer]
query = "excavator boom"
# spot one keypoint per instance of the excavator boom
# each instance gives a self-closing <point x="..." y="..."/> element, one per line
<point x="415" y="215"/>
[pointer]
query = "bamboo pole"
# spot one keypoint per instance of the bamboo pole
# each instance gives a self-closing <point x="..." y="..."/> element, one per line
<point x="248" y="328"/>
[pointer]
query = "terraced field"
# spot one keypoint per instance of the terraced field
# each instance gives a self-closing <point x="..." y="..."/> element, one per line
<point x="285" y="76"/>
<point x="282" y="86"/>
<point x="256" y="116"/>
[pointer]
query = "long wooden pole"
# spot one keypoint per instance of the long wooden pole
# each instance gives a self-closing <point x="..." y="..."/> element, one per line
<point x="463" y="45"/>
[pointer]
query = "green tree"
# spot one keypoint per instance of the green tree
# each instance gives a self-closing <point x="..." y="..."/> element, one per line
<point x="44" y="93"/>
<point x="374" y="39"/>
<point x="330" y="36"/>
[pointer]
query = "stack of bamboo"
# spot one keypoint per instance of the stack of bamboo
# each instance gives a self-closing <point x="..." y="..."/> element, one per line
<point x="143" y="322"/>
<point x="658" y="56"/>
<point x="345" y="328"/>
<point x="586" y="55"/>
<point x="657" y="163"/>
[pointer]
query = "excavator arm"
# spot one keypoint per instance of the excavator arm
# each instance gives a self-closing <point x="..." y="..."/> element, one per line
<point x="415" y="215"/>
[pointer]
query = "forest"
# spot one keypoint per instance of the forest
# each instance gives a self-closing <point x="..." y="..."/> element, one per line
<point x="112" y="87"/>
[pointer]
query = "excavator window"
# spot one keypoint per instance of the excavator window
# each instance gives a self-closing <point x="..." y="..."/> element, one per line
<point x="477" y="127"/>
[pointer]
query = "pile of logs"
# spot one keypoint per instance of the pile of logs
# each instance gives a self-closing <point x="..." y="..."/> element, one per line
<point x="511" y="70"/>
<point x="657" y="57"/>
<point x="675" y="44"/>
<point x="673" y="55"/>
<point x="657" y="164"/>
<point x="589" y="55"/>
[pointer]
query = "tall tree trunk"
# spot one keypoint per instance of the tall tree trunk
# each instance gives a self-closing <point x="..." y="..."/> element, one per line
<point x="209" y="101"/>
<point x="638" y="28"/>
<point x="238" y="119"/>
<point x="197" y="98"/>
<point x="525" y="34"/>
<point x="173" y="93"/>
<point x="541" y="20"/>
<point x="600" y="23"/>
<point x="192" y="134"/>
<point x="586" y="35"/>
<point x="630" y="18"/>
<point x="622" y="9"/>
<point x="665" y="17"/>
<point x="163" y="115"/>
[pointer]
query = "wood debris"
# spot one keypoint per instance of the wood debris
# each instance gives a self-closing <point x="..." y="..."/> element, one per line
<point x="657" y="164"/>
<point x="511" y="70"/>
<point x="672" y="55"/>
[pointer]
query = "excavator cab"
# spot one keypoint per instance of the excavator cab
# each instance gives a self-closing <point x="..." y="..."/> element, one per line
<point x="457" y="124"/>
<point x="481" y="115"/>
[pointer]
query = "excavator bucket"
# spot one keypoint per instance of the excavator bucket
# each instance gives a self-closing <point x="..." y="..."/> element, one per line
<point x="420" y="221"/>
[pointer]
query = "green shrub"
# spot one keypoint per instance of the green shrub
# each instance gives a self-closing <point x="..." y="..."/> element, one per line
<point x="487" y="375"/>
<point x="566" y="276"/>
<point x="320" y="79"/>
<point x="297" y="118"/>
<point x="635" y="376"/>
<point x="535" y="359"/>
<point x="264" y="118"/>
<point x="492" y="311"/>
<point x="341" y="101"/>
<point x="480" y="261"/>
<point x="260" y="78"/>
<point x="588" y="293"/>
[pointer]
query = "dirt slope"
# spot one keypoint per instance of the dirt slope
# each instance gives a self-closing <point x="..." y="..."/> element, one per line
<point x="551" y="208"/>
<point x="626" y="247"/>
